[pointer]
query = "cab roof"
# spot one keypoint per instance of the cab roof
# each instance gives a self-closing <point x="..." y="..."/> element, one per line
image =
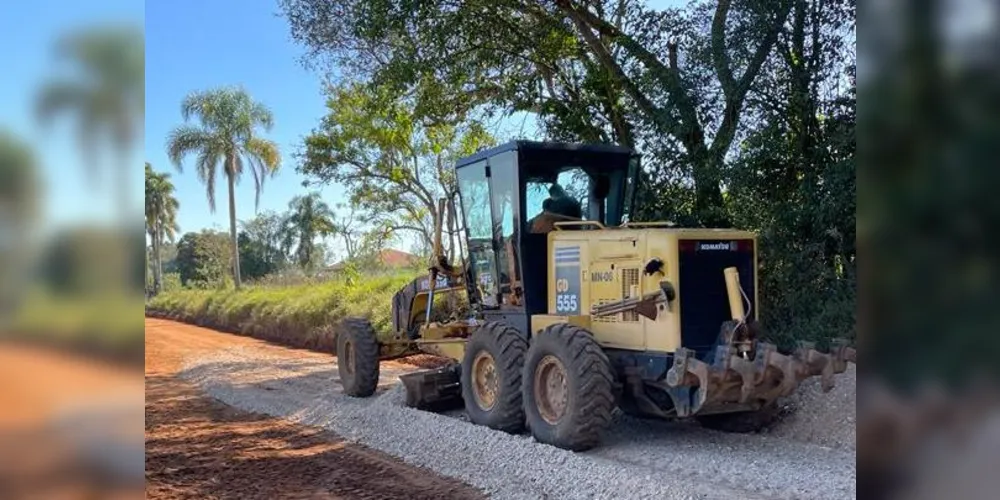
<point x="546" y="147"/>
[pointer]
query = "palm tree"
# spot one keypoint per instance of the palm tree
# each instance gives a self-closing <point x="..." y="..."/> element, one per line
<point x="161" y="218"/>
<point x="226" y="136"/>
<point x="310" y="218"/>
<point x="19" y="186"/>
<point x="106" y="94"/>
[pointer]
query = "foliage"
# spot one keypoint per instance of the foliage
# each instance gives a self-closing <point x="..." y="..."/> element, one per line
<point x="391" y="162"/>
<point x="203" y="259"/>
<point x="88" y="260"/>
<point x="104" y="323"/>
<point x="160" y="217"/>
<point x="104" y="90"/>
<point x="593" y="71"/>
<point x="309" y="218"/>
<point x="227" y="135"/>
<point x="171" y="282"/>
<point x="19" y="185"/>
<point x="260" y="242"/>
<point x="304" y="315"/>
<point x="929" y="207"/>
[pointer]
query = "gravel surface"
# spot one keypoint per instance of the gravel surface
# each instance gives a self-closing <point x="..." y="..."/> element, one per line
<point x="826" y="419"/>
<point x="638" y="459"/>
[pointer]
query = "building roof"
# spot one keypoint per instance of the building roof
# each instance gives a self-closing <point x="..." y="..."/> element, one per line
<point x="390" y="257"/>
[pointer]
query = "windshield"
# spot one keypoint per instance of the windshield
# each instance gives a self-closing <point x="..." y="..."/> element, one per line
<point x="573" y="181"/>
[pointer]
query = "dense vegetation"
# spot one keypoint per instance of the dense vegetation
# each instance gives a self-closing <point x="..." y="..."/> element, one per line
<point x="304" y="315"/>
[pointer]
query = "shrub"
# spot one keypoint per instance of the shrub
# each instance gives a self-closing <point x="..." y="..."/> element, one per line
<point x="304" y="315"/>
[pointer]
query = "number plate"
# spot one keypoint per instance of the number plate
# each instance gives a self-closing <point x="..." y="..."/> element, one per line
<point x="567" y="265"/>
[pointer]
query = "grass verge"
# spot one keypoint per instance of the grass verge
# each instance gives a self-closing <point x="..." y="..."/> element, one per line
<point x="303" y="316"/>
<point x="103" y="324"/>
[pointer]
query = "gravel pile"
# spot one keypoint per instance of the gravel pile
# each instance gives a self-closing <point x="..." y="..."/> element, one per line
<point x="828" y="419"/>
<point x="639" y="459"/>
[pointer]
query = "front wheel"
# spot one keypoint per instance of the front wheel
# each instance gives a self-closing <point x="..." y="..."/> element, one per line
<point x="491" y="377"/>
<point x="568" y="388"/>
<point x="357" y="358"/>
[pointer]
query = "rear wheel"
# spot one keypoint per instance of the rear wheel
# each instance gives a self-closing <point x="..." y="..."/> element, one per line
<point x="491" y="377"/>
<point x="357" y="358"/>
<point x="568" y="388"/>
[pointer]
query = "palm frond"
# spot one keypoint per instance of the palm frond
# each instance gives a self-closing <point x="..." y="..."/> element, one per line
<point x="59" y="96"/>
<point x="261" y="115"/>
<point x="197" y="104"/>
<point x="264" y="159"/>
<point x="185" y="140"/>
<point x="207" y="165"/>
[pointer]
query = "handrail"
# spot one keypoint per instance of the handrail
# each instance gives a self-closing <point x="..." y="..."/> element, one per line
<point x="665" y="223"/>
<point x="557" y="225"/>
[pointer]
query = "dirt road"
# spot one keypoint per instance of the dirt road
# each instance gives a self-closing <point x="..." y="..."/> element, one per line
<point x="70" y="426"/>
<point x="197" y="447"/>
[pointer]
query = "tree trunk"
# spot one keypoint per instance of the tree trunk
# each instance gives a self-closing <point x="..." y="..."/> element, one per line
<point x="709" y="206"/>
<point x="157" y="279"/>
<point x="232" y="229"/>
<point x="159" y="261"/>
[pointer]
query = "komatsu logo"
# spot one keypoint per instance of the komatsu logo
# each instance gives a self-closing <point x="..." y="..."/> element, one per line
<point x="721" y="245"/>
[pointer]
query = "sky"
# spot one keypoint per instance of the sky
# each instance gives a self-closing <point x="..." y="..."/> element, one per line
<point x="196" y="45"/>
<point x="28" y="31"/>
<point x="190" y="45"/>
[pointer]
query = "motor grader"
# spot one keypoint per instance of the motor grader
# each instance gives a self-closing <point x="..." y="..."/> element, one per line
<point x="572" y="317"/>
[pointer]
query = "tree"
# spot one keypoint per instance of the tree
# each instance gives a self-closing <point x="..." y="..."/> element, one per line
<point x="585" y="67"/>
<point x="202" y="258"/>
<point x="161" y="217"/>
<point x="309" y="218"/>
<point x="226" y="136"/>
<point x="392" y="163"/>
<point x="19" y="185"/>
<point x="261" y="242"/>
<point x="87" y="260"/>
<point x="105" y="91"/>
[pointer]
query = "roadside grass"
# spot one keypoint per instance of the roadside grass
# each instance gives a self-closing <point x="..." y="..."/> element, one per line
<point x="105" y="324"/>
<point x="303" y="315"/>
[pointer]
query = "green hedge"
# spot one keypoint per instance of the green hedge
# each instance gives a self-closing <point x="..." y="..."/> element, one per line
<point x="103" y="324"/>
<point x="304" y="316"/>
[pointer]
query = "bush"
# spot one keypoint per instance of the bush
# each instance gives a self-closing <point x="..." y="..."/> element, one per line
<point x="304" y="316"/>
<point x="171" y="282"/>
<point x="99" y="323"/>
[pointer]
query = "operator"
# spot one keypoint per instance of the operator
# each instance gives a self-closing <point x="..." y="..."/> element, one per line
<point x="559" y="206"/>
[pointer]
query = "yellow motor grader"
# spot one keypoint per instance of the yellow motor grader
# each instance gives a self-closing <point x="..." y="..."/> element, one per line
<point x="574" y="310"/>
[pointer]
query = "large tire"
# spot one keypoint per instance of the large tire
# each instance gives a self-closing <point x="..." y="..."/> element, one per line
<point x="357" y="357"/>
<point x="742" y="422"/>
<point x="495" y="353"/>
<point x="568" y="388"/>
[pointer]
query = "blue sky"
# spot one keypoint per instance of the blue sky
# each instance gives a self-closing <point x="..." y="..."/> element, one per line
<point x="190" y="45"/>
<point x="194" y="45"/>
<point x="28" y="31"/>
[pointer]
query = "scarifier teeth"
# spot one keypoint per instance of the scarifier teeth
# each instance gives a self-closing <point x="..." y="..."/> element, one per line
<point x="745" y="369"/>
<point x="769" y="375"/>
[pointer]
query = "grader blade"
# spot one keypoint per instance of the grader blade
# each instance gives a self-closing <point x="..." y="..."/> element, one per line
<point x="433" y="390"/>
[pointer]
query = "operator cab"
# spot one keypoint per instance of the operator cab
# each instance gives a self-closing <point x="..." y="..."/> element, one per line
<point x="512" y="195"/>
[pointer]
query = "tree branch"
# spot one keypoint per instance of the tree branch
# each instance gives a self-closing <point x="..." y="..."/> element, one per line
<point x="734" y="101"/>
<point x="720" y="58"/>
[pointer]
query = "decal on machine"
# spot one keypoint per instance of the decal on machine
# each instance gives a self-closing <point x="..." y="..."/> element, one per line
<point x="440" y="282"/>
<point x="567" y="265"/>
<point x="600" y="276"/>
<point x="714" y="246"/>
